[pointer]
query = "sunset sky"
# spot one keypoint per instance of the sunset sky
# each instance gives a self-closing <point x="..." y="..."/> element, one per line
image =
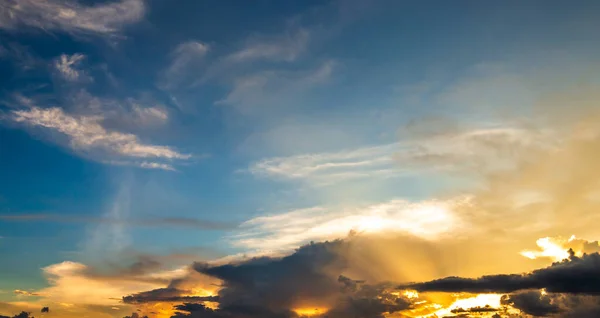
<point x="287" y="159"/>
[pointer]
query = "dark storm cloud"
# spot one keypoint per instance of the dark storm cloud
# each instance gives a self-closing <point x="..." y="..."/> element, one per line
<point x="272" y="287"/>
<point x="561" y="305"/>
<point x="477" y="309"/>
<point x="532" y="303"/>
<point x="147" y="222"/>
<point x="168" y="294"/>
<point x="576" y="275"/>
<point x="311" y="275"/>
<point x="192" y="310"/>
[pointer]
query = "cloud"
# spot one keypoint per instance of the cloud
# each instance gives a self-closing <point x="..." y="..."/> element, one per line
<point x="464" y="150"/>
<point x="533" y="303"/>
<point x="166" y="295"/>
<point x="70" y="16"/>
<point x="539" y="303"/>
<point x="576" y="275"/>
<point x="330" y="167"/>
<point x="20" y="56"/>
<point x="26" y="293"/>
<point x="74" y="285"/>
<point x="316" y="279"/>
<point x="265" y="89"/>
<point x="186" y="60"/>
<point x="147" y="221"/>
<point x="249" y="83"/>
<point x="86" y="135"/>
<point x="429" y="219"/>
<point x="308" y="278"/>
<point x="131" y="114"/>
<point x="148" y="115"/>
<point x="557" y="248"/>
<point x="477" y="309"/>
<point x="71" y="282"/>
<point x="66" y="65"/>
<point x="285" y="47"/>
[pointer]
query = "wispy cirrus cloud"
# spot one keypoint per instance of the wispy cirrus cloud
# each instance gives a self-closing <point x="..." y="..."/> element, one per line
<point x="184" y="67"/>
<point x="86" y="135"/>
<point x="438" y="152"/>
<point x="266" y="89"/>
<point x="70" y="16"/>
<point x="250" y="85"/>
<point x="284" y="47"/>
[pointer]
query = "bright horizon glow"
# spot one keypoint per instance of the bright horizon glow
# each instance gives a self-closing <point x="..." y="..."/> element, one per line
<point x="481" y="300"/>
<point x="310" y="311"/>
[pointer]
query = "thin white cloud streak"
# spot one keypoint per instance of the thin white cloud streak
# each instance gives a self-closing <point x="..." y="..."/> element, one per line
<point x="70" y="16"/>
<point x="428" y="219"/>
<point x="156" y="165"/>
<point x="119" y="114"/>
<point x="149" y="115"/>
<point x="445" y="152"/>
<point x="66" y="65"/>
<point x="286" y="47"/>
<point x="86" y="133"/>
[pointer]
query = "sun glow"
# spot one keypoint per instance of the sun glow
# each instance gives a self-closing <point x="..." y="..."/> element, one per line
<point x="310" y="311"/>
<point x="553" y="248"/>
<point x="411" y="294"/>
<point x="481" y="300"/>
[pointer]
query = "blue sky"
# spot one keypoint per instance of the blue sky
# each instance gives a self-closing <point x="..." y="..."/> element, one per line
<point x="186" y="127"/>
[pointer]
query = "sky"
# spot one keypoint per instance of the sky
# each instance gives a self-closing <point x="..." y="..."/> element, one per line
<point x="245" y="159"/>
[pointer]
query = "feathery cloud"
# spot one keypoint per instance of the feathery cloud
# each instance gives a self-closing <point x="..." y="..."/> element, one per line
<point x="490" y="148"/>
<point x="86" y="134"/>
<point x="70" y="16"/>
<point x="285" y="47"/>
